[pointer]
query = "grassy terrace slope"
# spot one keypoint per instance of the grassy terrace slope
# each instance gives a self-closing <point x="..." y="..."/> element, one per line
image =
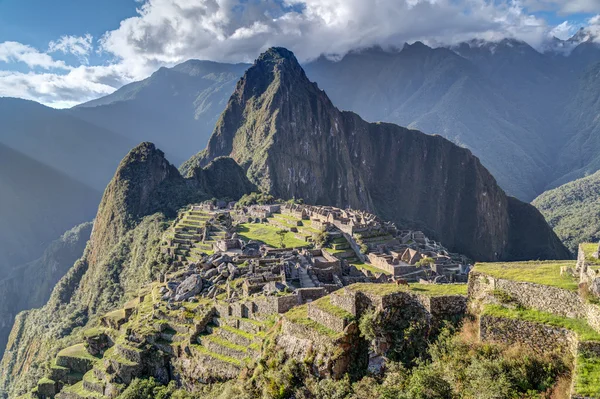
<point x="587" y="363"/>
<point x="589" y="248"/>
<point x="579" y="326"/>
<point x="268" y="235"/>
<point x="544" y="273"/>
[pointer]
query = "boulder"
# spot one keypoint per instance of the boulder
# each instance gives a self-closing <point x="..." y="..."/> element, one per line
<point x="190" y="287"/>
<point x="232" y="269"/>
<point x="211" y="273"/>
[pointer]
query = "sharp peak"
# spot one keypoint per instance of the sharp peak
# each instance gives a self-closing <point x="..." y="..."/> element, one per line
<point x="418" y="45"/>
<point x="144" y="150"/>
<point x="277" y="54"/>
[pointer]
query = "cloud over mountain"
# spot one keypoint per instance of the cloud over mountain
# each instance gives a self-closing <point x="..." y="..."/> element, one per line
<point x="166" y="32"/>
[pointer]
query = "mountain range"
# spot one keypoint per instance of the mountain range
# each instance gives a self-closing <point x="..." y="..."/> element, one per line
<point x="530" y="117"/>
<point x="280" y="133"/>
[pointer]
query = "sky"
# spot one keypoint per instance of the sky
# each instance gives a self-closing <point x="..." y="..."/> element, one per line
<point x="65" y="52"/>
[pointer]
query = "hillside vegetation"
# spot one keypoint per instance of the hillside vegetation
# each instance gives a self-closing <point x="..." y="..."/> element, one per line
<point x="573" y="210"/>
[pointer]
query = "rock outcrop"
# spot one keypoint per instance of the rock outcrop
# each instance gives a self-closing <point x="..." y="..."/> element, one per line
<point x="292" y="141"/>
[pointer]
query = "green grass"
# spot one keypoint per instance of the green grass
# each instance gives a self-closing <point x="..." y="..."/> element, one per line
<point x="46" y="380"/>
<point x="588" y="249"/>
<point x="370" y="268"/>
<point x="111" y="354"/>
<point x="225" y="343"/>
<point x="242" y="333"/>
<point x="79" y="390"/>
<point x="335" y="251"/>
<point x="94" y="332"/>
<point x="77" y="351"/>
<point x="299" y="315"/>
<point x="326" y="305"/>
<point x="422" y="289"/>
<point x="268" y="235"/>
<point x="587" y="376"/>
<point x="578" y="326"/>
<point x="218" y="356"/>
<point x="544" y="273"/>
<point x="116" y="315"/>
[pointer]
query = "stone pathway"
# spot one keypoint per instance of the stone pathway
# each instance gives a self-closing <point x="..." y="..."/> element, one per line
<point x="305" y="280"/>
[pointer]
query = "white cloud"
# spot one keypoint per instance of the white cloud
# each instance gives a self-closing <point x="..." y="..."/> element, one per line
<point x="166" y="32"/>
<point x="18" y="52"/>
<point x="79" y="46"/>
<point x="170" y="31"/>
<point x="63" y="90"/>
<point x="564" y="7"/>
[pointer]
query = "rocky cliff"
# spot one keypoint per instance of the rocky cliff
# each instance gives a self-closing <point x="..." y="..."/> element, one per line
<point x="121" y="256"/>
<point x="292" y="141"/>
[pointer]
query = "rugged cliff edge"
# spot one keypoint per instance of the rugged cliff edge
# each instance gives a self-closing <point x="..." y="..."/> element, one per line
<point x="292" y="141"/>
<point x="121" y="256"/>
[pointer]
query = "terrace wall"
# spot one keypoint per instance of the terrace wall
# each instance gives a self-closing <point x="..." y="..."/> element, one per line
<point x="538" y="337"/>
<point x="540" y="297"/>
<point x="329" y="320"/>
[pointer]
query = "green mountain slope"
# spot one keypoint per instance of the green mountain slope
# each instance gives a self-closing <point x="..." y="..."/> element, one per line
<point x="573" y="210"/>
<point x="579" y="157"/>
<point x="122" y="255"/>
<point x="29" y="286"/>
<point x="293" y="142"/>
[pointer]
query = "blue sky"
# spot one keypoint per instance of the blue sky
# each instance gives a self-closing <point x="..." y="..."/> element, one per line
<point x="63" y="52"/>
<point x="37" y="22"/>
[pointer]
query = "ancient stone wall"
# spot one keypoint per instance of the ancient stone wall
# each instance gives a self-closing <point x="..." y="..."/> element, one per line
<point x="540" y="338"/>
<point x="344" y="299"/>
<point x="536" y="296"/>
<point x="447" y="305"/>
<point x="285" y="303"/>
<point x="329" y="320"/>
<point x="310" y="294"/>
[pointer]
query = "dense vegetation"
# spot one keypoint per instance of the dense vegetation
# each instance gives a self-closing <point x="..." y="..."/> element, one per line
<point x="573" y="210"/>
<point x="455" y="366"/>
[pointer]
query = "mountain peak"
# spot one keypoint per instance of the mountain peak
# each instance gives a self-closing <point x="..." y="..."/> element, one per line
<point x="277" y="54"/>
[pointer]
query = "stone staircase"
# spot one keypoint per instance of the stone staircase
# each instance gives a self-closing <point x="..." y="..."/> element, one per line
<point x="228" y="345"/>
<point x="343" y="249"/>
<point x="194" y="233"/>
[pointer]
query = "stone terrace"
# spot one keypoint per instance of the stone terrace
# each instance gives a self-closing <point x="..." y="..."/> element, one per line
<point x="540" y="305"/>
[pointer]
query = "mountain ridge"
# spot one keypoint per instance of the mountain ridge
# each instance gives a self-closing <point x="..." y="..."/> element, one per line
<point x="122" y="255"/>
<point x="286" y="133"/>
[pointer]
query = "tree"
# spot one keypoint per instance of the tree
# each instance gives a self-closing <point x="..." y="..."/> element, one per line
<point x="281" y="234"/>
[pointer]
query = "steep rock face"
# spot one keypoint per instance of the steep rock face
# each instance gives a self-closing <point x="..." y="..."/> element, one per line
<point x="122" y="254"/>
<point x="144" y="183"/>
<point x="29" y="286"/>
<point x="223" y="169"/>
<point x="294" y="143"/>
